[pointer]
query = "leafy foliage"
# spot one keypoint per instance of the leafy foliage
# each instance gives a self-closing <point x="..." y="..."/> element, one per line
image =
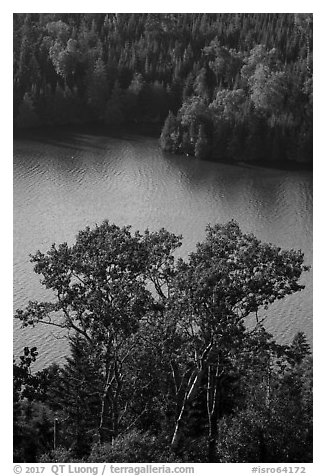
<point x="32" y="418"/>
<point x="220" y="70"/>
<point x="132" y="447"/>
<point x="162" y="364"/>
<point x="274" y="421"/>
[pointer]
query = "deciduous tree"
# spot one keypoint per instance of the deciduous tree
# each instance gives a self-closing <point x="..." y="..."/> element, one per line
<point x="100" y="287"/>
<point x="229" y="277"/>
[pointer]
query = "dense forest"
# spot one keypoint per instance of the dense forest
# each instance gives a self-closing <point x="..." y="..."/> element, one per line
<point x="170" y="360"/>
<point x="221" y="86"/>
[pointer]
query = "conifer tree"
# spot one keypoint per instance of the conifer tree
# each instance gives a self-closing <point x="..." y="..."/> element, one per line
<point x="202" y="148"/>
<point x="97" y="90"/>
<point x="169" y="134"/>
<point x="76" y="397"/>
<point x="27" y="116"/>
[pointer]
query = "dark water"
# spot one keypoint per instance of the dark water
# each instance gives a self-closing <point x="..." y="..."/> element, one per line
<point x="66" y="181"/>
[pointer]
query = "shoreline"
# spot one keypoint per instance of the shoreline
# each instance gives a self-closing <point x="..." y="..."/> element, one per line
<point x="147" y="129"/>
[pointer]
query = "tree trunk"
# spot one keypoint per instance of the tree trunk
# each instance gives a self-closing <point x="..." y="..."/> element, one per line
<point x="103" y="429"/>
<point x="109" y="416"/>
<point x="115" y="412"/>
<point x="213" y="410"/>
<point x="212" y="440"/>
<point x="191" y="392"/>
<point x="190" y="395"/>
<point x="212" y="437"/>
<point x="110" y="411"/>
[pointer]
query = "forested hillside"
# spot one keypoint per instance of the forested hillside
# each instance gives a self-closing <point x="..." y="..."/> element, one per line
<point x="228" y="86"/>
<point x="240" y="85"/>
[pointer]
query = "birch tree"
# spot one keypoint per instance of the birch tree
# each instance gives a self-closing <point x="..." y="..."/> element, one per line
<point x="101" y="292"/>
<point x="231" y="276"/>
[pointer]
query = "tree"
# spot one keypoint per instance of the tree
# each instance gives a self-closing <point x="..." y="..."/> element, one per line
<point x="75" y="396"/>
<point x="133" y="447"/>
<point x="114" y="113"/>
<point x="230" y="276"/>
<point x="142" y="99"/>
<point x="194" y="110"/>
<point x="299" y="349"/>
<point x="268" y="90"/>
<point x="32" y="418"/>
<point x="163" y="62"/>
<point x="259" y="56"/>
<point x="273" y="420"/>
<point x="204" y="84"/>
<point x="303" y="22"/>
<point x="169" y="138"/>
<point x="27" y="116"/>
<point x="159" y="345"/>
<point x="226" y="63"/>
<point x="202" y="148"/>
<point x="97" y="91"/>
<point x="100" y="293"/>
<point x="228" y="105"/>
<point x="26" y="67"/>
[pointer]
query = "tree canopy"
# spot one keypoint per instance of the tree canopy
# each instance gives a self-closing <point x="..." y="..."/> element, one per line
<point x="161" y="352"/>
<point x="117" y="69"/>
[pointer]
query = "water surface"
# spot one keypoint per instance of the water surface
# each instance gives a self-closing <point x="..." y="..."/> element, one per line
<point x="66" y="181"/>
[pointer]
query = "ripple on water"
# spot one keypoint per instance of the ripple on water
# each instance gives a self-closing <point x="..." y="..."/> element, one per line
<point x="62" y="185"/>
